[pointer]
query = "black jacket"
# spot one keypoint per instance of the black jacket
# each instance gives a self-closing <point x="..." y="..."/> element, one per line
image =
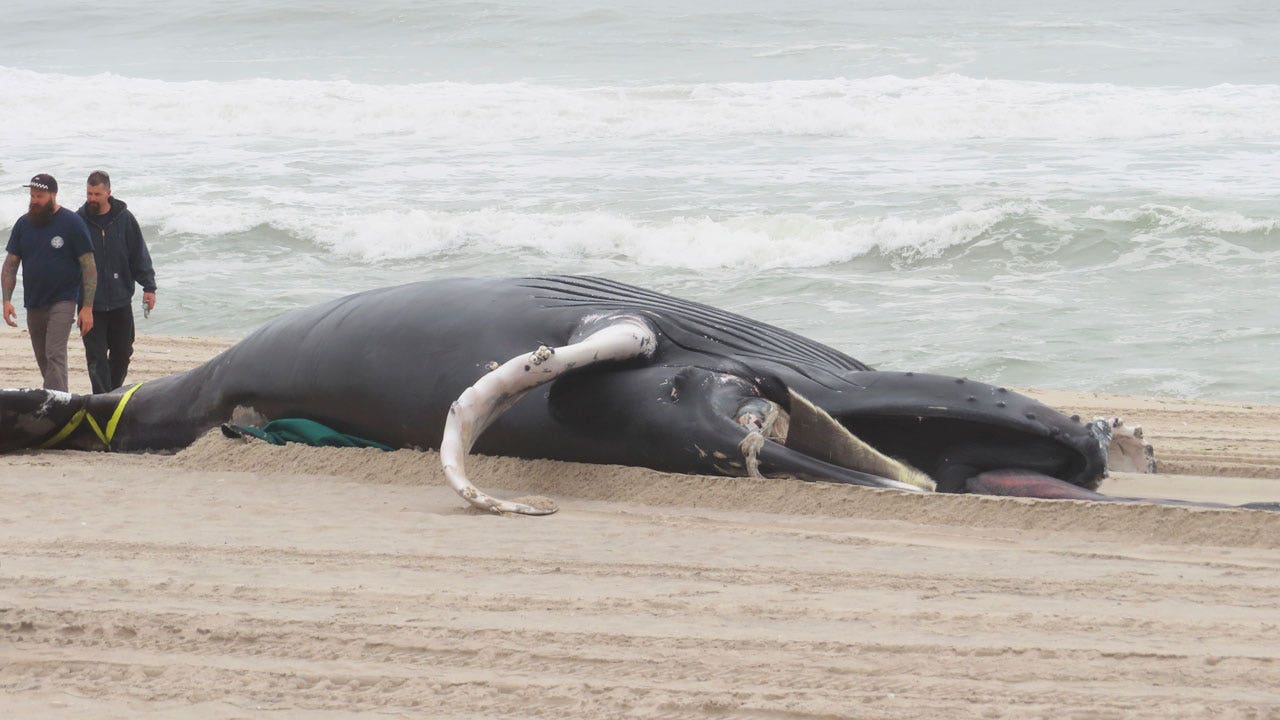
<point x="121" y="255"/>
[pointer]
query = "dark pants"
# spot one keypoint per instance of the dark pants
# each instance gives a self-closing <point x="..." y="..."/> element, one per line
<point x="108" y="347"/>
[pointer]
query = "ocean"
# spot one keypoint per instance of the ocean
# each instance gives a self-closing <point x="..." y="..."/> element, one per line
<point x="1082" y="197"/>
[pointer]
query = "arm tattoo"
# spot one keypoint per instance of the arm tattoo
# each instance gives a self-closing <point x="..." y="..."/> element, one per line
<point x="9" y="276"/>
<point x="88" y="279"/>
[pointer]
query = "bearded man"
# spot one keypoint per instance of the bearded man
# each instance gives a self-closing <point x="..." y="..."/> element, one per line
<point x="51" y="243"/>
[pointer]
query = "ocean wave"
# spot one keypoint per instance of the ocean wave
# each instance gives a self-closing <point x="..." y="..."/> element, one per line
<point x="749" y="241"/>
<point x="1011" y="232"/>
<point x="935" y="108"/>
<point x="1021" y="233"/>
<point x="1176" y="218"/>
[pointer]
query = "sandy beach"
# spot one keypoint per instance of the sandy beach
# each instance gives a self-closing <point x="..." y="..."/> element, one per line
<point x="238" y="580"/>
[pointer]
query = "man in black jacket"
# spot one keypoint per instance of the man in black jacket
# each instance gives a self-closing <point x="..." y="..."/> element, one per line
<point x="123" y="260"/>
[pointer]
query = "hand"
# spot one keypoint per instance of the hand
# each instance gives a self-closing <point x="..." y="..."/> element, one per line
<point x="85" y="321"/>
<point x="149" y="301"/>
<point x="10" y="315"/>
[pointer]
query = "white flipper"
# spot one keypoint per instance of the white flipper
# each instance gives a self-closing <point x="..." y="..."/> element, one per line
<point x="479" y="405"/>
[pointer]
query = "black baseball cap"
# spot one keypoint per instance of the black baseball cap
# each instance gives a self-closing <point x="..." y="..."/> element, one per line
<point x="43" y="182"/>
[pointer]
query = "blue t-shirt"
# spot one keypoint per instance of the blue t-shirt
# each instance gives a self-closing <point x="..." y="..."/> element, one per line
<point x="50" y="257"/>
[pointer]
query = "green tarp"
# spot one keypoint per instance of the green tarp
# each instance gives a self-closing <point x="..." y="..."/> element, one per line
<point x="299" y="430"/>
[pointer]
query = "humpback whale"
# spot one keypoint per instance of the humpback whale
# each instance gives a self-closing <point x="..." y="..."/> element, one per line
<point x="592" y="370"/>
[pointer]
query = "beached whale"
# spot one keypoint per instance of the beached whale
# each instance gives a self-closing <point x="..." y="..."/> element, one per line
<point x="590" y="370"/>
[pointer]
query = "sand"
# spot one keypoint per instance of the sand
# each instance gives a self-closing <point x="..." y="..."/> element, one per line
<point x="239" y="580"/>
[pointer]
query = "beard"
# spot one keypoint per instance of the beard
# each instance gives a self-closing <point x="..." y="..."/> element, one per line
<point x="40" y="215"/>
<point x="94" y="207"/>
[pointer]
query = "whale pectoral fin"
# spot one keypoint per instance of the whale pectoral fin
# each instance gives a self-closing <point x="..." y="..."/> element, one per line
<point x="624" y="338"/>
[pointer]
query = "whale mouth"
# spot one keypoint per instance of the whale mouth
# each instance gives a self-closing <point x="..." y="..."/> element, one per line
<point x="925" y="452"/>
<point x="812" y="431"/>
<point x="951" y="450"/>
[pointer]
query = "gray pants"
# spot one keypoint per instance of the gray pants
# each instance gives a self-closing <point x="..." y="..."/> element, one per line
<point x="50" y="328"/>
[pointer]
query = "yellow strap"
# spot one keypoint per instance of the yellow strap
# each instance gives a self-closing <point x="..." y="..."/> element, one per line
<point x="115" y="416"/>
<point x="66" y="430"/>
<point x="81" y="414"/>
<point x="97" y="430"/>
